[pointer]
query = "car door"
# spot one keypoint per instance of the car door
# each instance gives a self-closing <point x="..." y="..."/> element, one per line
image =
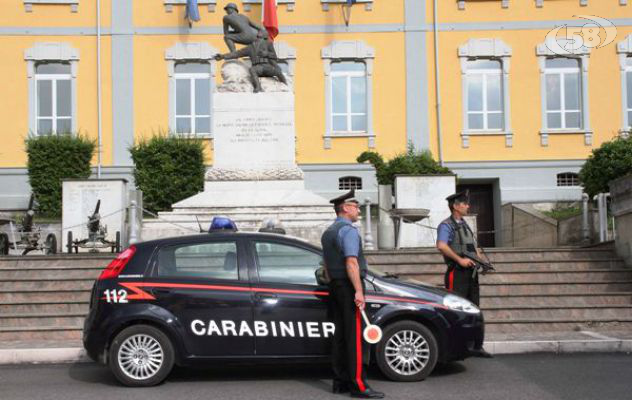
<point x="288" y="302"/>
<point x="204" y="285"/>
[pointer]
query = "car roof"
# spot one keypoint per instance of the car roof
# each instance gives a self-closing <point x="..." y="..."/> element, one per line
<point x="225" y="234"/>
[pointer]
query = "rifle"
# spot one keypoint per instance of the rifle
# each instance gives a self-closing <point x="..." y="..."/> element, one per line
<point x="27" y="222"/>
<point x="483" y="266"/>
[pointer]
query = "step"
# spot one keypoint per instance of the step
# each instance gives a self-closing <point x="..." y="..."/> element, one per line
<point x="70" y="332"/>
<point x="61" y="260"/>
<point x="37" y="296"/>
<point x="561" y="277"/>
<point x="554" y="289"/>
<point x="42" y="319"/>
<point x="49" y="274"/>
<point x="579" y="312"/>
<point x="551" y="325"/>
<point x="63" y="307"/>
<point x="494" y="255"/>
<point x="558" y="300"/>
<point x="46" y="285"/>
<point x="514" y="266"/>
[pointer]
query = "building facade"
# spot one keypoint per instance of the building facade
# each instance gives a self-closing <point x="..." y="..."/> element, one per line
<point x="479" y="85"/>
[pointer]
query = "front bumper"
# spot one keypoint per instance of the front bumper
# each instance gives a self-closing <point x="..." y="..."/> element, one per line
<point x="466" y="332"/>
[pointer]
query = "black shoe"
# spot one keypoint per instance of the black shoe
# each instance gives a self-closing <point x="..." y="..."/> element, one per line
<point x="480" y="353"/>
<point x="340" y="387"/>
<point x="368" y="393"/>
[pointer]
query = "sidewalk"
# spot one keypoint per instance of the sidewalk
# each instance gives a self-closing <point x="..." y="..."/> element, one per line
<point x="48" y="352"/>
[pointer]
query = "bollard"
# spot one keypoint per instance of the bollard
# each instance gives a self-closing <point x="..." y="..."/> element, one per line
<point x="133" y="223"/>
<point x="368" y="236"/>
<point x="585" y="226"/>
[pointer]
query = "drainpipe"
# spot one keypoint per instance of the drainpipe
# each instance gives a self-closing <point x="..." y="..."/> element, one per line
<point x="99" y="139"/>
<point x="437" y="81"/>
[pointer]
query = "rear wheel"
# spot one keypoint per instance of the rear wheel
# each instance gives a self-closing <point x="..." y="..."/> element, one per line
<point x="69" y="242"/>
<point x="408" y="351"/>
<point x="141" y="355"/>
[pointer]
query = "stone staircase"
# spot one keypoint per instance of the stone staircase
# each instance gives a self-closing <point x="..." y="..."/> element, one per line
<point x="536" y="290"/>
<point x="46" y="297"/>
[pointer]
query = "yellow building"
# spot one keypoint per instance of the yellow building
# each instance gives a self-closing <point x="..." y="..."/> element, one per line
<point x="516" y="119"/>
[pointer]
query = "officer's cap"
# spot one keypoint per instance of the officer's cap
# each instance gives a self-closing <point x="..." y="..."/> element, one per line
<point x="348" y="197"/>
<point x="460" y="197"/>
<point x="231" y="5"/>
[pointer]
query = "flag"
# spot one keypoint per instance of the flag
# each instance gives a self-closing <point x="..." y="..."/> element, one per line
<point x="270" y="21"/>
<point x="192" y="13"/>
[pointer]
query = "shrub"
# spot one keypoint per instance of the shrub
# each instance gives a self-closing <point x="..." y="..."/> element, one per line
<point x="409" y="163"/>
<point x="610" y="161"/>
<point x="168" y="169"/>
<point x="52" y="159"/>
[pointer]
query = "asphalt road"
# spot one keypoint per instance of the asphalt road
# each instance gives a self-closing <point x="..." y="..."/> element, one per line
<point x="533" y="377"/>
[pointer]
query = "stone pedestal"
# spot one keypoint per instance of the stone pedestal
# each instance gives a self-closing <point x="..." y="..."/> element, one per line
<point x="254" y="175"/>
<point x="621" y="192"/>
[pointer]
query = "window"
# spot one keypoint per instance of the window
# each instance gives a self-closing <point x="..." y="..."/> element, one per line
<point x="54" y="99"/>
<point x="286" y="264"/>
<point x="193" y="92"/>
<point x="567" y="179"/>
<point x="563" y="93"/>
<point x="203" y="260"/>
<point x="348" y="93"/>
<point x="350" y="182"/>
<point x="484" y="95"/>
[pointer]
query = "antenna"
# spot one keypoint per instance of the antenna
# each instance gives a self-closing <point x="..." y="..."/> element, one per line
<point x="199" y="225"/>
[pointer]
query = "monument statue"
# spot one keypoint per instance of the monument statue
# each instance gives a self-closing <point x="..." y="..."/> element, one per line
<point x="263" y="59"/>
<point x="238" y="28"/>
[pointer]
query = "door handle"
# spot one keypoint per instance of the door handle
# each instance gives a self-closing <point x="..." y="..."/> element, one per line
<point x="161" y="291"/>
<point x="262" y="296"/>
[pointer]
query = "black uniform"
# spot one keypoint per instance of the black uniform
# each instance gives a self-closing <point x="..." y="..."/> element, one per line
<point x="350" y="353"/>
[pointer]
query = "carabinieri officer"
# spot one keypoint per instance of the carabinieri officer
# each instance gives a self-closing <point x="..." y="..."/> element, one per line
<point x="346" y="267"/>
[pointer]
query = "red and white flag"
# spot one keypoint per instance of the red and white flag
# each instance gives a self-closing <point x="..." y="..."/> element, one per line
<point x="270" y="20"/>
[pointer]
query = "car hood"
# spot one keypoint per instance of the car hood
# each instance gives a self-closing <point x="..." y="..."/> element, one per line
<point x="409" y="288"/>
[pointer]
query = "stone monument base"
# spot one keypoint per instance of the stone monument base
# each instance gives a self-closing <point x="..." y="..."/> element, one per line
<point x="301" y="213"/>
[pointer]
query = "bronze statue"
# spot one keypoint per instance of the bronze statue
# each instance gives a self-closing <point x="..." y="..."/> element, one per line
<point x="238" y="28"/>
<point x="262" y="57"/>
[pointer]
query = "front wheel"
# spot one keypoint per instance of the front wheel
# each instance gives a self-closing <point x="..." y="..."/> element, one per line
<point x="51" y="244"/>
<point x="141" y="355"/>
<point x="408" y="352"/>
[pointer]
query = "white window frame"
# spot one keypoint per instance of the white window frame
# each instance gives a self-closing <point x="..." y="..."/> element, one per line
<point x="624" y="49"/>
<point x="289" y="4"/>
<point x="170" y="3"/>
<point x="562" y="74"/>
<point x="349" y="114"/>
<point x="340" y="51"/>
<point x="485" y="73"/>
<point x="461" y="4"/>
<point x="287" y="54"/>
<point x="486" y="49"/>
<point x="53" y="52"/>
<point x="543" y="51"/>
<point x="74" y="4"/>
<point x="368" y="4"/>
<point x="54" y="78"/>
<point x="582" y="3"/>
<point x="190" y="52"/>
<point x="191" y="77"/>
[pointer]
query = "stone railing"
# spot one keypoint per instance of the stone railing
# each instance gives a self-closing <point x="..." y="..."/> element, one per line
<point x="621" y="192"/>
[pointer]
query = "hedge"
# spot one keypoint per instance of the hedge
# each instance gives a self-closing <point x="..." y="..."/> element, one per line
<point x="168" y="169"/>
<point x="610" y="161"/>
<point x="409" y="163"/>
<point x="52" y="159"/>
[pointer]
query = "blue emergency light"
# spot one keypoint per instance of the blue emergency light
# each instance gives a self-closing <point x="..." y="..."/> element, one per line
<point x="222" y="224"/>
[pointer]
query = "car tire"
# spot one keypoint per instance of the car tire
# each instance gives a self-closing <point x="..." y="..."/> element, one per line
<point x="141" y="355"/>
<point x="408" y="351"/>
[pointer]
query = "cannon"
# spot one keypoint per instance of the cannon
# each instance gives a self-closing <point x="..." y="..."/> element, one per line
<point x="25" y="236"/>
<point x="97" y="236"/>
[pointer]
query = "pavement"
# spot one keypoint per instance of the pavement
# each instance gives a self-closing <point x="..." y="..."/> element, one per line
<point x="583" y="376"/>
<point x="584" y="341"/>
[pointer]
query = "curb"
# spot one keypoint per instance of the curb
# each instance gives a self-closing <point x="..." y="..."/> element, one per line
<point x="78" y="355"/>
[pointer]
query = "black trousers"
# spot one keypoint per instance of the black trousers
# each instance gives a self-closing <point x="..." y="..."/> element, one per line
<point x="464" y="282"/>
<point x="350" y="353"/>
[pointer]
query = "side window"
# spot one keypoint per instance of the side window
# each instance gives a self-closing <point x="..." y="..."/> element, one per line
<point x="216" y="260"/>
<point x="286" y="264"/>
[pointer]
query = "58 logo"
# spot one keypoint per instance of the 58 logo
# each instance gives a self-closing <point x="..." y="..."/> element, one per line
<point x="589" y="35"/>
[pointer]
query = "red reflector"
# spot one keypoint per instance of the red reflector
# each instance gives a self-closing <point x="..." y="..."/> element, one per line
<point x="116" y="266"/>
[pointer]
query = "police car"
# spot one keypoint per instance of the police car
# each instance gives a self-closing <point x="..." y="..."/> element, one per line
<point x="256" y="297"/>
